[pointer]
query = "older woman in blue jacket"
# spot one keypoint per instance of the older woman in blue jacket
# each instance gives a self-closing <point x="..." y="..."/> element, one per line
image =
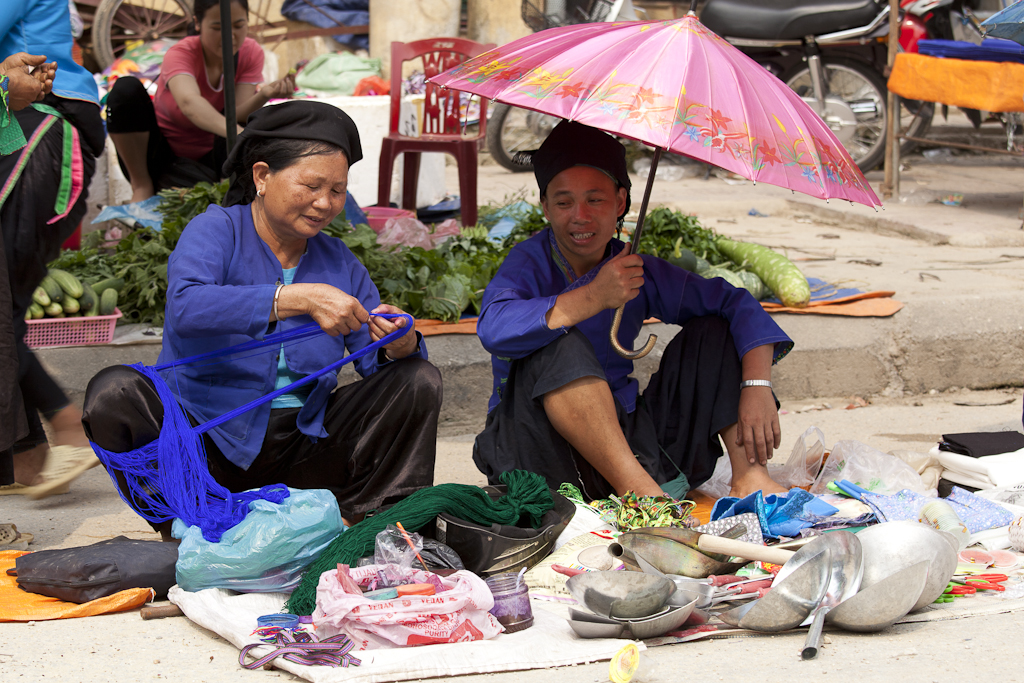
<point x="261" y="265"/>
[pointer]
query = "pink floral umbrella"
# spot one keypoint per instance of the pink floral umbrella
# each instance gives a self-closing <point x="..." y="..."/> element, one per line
<point x="676" y="86"/>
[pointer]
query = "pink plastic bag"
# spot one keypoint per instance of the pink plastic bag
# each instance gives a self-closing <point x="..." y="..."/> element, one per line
<point x="406" y="232"/>
<point x="409" y="232"/>
<point x="460" y="614"/>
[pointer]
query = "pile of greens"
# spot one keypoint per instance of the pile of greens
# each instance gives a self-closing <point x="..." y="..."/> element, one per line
<point x="141" y="257"/>
<point x="666" y="230"/>
<point x="443" y="283"/>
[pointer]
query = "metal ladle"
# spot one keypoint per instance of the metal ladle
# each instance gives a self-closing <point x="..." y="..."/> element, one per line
<point x="791" y="598"/>
<point x="845" y="573"/>
<point x="882" y="604"/>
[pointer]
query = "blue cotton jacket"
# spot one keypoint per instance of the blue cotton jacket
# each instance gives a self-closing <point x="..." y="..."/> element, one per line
<point x="512" y="321"/>
<point x="221" y="282"/>
<point x="43" y="27"/>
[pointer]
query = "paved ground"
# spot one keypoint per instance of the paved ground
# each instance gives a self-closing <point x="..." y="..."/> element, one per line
<point x="955" y="268"/>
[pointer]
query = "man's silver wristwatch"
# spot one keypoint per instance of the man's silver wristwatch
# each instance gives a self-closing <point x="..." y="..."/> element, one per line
<point x="755" y="383"/>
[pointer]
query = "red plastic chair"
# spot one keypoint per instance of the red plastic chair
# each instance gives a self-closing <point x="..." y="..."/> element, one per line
<point x="442" y="126"/>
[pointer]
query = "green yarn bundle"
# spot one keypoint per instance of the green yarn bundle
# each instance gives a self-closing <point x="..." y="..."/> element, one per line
<point x="528" y="495"/>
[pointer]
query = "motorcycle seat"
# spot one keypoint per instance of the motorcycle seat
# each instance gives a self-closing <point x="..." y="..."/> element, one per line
<point x="786" y="19"/>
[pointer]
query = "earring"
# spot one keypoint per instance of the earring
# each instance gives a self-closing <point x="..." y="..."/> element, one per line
<point x="260" y="193"/>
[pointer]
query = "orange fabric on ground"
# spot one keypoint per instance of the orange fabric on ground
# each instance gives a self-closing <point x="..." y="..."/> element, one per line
<point x="989" y="86"/>
<point x="704" y="505"/>
<point x="866" y="304"/>
<point x="18" y="605"/>
<point x="860" y="308"/>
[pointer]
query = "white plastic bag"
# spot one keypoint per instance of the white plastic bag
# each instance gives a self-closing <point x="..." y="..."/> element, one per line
<point x="925" y="464"/>
<point x="459" y="614"/>
<point x="869" y="468"/>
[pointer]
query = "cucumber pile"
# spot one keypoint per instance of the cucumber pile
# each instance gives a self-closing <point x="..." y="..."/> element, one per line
<point x="62" y="295"/>
<point x="759" y="270"/>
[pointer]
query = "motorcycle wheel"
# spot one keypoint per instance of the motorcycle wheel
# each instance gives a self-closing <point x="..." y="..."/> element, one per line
<point x="864" y="92"/>
<point x="511" y="130"/>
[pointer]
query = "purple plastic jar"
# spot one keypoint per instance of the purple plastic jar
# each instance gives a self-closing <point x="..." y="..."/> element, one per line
<point x="511" y="605"/>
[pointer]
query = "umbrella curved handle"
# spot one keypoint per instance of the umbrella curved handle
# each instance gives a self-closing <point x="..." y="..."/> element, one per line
<point x="622" y="351"/>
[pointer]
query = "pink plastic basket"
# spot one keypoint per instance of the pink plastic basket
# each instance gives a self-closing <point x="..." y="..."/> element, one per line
<point x="378" y="216"/>
<point x="50" y="332"/>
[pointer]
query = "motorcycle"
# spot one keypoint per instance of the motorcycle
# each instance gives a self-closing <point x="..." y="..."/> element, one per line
<point x="511" y="130"/>
<point x="832" y="52"/>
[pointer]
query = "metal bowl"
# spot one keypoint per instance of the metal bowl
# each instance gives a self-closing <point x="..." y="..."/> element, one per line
<point x="660" y="624"/>
<point x="894" y="546"/>
<point x="625" y="595"/>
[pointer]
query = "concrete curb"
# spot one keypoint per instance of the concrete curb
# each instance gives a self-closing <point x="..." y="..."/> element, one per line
<point x="967" y="341"/>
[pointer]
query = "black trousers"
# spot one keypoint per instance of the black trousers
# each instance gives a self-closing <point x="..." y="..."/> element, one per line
<point x="12" y="412"/>
<point x="381" y="444"/>
<point x="130" y="110"/>
<point x="674" y="428"/>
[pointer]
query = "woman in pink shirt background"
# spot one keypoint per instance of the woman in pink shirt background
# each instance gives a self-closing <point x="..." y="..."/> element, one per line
<point x="177" y="139"/>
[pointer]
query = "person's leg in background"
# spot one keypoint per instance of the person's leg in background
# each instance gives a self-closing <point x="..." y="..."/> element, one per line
<point x="133" y="128"/>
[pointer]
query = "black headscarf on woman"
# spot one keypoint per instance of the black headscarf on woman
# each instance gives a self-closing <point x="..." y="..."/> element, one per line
<point x="296" y="120"/>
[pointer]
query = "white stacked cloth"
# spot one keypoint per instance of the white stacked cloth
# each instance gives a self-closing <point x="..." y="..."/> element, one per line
<point x="986" y="472"/>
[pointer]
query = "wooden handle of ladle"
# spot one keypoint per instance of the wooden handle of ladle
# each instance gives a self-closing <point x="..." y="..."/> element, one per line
<point x="748" y="551"/>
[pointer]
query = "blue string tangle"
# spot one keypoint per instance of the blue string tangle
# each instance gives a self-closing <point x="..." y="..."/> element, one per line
<point x="169" y="477"/>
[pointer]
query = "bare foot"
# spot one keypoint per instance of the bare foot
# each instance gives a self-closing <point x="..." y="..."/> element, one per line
<point x="142" y="193"/>
<point x="28" y="465"/>
<point x="755" y="478"/>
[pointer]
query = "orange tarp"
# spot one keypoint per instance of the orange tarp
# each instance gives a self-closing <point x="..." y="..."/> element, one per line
<point x="18" y="605"/>
<point x="866" y="304"/>
<point x="989" y="86"/>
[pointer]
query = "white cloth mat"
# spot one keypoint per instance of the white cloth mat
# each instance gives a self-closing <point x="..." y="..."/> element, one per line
<point x="548" y="643"/>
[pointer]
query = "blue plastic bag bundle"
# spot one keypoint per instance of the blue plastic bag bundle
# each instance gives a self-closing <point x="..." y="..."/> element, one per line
<point x="265" y="553"/>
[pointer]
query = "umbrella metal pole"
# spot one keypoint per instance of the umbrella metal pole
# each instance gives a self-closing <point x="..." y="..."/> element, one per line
<point x="228" y="54"/>
<point x="634" y="246"/>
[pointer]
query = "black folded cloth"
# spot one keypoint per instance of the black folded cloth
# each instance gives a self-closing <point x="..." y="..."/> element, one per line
<point x="978" y="444"/>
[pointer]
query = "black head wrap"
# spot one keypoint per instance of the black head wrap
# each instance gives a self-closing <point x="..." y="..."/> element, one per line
<point x="296" y="120"/>
<point x="574" y="144"/>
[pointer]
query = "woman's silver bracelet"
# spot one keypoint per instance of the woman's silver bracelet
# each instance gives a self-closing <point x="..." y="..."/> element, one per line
<point x="277" y="295"/>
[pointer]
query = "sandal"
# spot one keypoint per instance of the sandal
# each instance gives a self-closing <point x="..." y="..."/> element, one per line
<point x="11" y="539"/>
<point x="63" y="465"/>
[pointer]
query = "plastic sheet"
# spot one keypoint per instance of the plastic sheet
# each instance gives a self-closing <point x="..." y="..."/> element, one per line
<point x="869" y="468"/>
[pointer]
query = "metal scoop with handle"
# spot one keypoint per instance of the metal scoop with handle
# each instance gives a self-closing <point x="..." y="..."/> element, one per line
<point x="846" y="569"/>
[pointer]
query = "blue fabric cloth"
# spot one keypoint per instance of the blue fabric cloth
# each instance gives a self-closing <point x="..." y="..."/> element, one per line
<point x="990" y="50"/>
<point x="779" y="515"/>
<point x="221" y="282"/>
<point x="977" y="513"/>
<point x="331" y="13"/>
<point x="512" y="320"/>
<point x="1007" y="23"/>
<point x="354" y="214"/>
<point x="285" y="376"/>
<point x="43" y="27"/>
<point x="824" y="291"/>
